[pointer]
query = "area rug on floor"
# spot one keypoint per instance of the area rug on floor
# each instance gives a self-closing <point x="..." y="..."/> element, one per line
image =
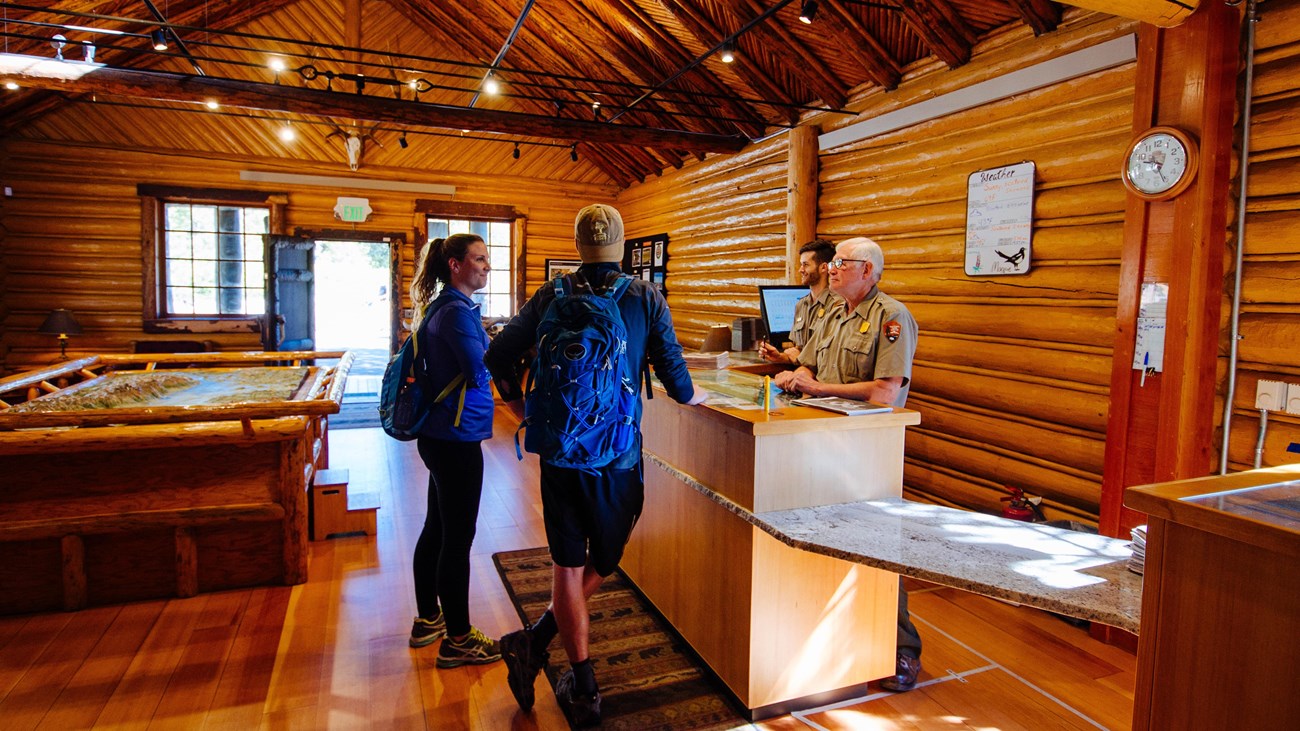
<point x="649" y="678"/>
<point x="356" y="415"/>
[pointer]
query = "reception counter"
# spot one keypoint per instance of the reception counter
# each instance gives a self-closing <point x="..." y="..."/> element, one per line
<point x="769" y="619"/>
<point x="1218" y="647"/>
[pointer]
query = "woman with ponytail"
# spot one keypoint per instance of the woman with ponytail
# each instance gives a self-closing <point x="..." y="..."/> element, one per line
<point x="451" y="346"/>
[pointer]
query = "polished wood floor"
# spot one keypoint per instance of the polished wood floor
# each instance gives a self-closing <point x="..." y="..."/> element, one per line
<point x="332" y="653"/>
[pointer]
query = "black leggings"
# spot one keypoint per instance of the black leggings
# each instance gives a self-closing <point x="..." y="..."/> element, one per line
<point x="441" y="562"/>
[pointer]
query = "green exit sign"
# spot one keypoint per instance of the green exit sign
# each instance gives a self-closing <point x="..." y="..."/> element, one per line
<point x="352" y="210"/>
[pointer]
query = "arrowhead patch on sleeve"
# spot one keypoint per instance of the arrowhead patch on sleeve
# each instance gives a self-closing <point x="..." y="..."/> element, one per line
<point x="893" y="330"/>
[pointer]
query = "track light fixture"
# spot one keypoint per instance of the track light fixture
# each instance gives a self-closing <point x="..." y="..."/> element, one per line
<point x="491" y="86"/>
<point x="11" y="85"/>
<point x="402" y="141"/>
<point x="515" y="154"/>
<point x="573" y="152"/>
<point x="728" y="53"/>
<point x="287" y="133"/>
<point x="595" y="111"/>
<point x="212" y="104"/>
<point x="808" y="11"/>
<point x="159" y="38"/>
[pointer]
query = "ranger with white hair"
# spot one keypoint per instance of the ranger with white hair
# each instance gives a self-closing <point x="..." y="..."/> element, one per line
<point x="865" y="351"/>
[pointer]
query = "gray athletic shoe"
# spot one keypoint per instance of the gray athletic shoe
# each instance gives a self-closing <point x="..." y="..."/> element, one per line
<point x="427" y="631"/>
<point x="582" y="710"/>
<point x="523" y="663"/>
<point x="476" y="649"/>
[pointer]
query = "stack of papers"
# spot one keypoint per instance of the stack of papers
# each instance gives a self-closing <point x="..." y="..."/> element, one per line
<point x="844" y="405"/>
<point x="707" y="360"/>
<point x="1139" y="557"/>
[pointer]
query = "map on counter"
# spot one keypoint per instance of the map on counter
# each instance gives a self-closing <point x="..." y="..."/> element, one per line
<point x="999" y="220"/>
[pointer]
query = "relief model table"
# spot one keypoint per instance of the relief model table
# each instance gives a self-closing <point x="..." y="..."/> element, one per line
<point x="129" y="477"/>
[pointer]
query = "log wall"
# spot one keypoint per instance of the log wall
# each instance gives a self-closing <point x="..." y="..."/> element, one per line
<point x="1011" y="372"/>
<point x="1270" y="309"/>
<point x="72" y="233"/>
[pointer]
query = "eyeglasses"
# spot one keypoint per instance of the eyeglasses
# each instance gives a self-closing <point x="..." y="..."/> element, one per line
<point x="839" y="263"/>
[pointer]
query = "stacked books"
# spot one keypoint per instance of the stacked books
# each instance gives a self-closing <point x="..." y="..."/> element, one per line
<point x="1139" y="557"/>
<point x="711" y="361"/>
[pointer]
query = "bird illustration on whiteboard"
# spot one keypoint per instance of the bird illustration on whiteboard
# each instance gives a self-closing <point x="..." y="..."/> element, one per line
<point x="1012" y="259"/>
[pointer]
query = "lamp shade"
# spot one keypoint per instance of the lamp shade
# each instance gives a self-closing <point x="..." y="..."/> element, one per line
<point x="60" y="322"/>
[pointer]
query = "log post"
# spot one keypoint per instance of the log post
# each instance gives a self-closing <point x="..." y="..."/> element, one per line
<point x="295" y="471"/>
<point x="1161" y="427"/>
<point x="187" y="562"/>
<point x="801" y="196"/>
<point x="74" y="572"/>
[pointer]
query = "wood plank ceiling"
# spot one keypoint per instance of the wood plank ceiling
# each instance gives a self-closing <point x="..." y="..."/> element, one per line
<point x="654" y="67"/>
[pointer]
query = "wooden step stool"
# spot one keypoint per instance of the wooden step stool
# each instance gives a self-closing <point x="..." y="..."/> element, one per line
<point x="333" y="511"/>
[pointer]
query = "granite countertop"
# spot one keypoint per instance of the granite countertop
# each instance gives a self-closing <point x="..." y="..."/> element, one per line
<point x="1063" y="571"/>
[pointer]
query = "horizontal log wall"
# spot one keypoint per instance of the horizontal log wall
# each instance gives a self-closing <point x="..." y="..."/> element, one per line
<point x="1011" y="372"/>
<point x="72" y="233"/>
<point x="1270" y="310"/>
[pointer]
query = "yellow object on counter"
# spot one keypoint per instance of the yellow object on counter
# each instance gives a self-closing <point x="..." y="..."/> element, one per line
<point x="767" y="394"/>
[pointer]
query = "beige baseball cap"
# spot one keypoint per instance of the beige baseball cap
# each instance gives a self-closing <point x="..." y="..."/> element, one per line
<point x="598" y="233"/>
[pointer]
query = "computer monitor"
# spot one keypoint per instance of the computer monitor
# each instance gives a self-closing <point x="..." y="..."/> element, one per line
<point x="776" y="301"/>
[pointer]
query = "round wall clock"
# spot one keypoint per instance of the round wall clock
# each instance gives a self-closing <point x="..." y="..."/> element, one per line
<point x="1160" y="163"/>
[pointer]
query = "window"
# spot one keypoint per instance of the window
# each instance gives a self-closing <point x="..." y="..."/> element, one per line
<point x="212" y="260"/>
<point x="496" y="299"/>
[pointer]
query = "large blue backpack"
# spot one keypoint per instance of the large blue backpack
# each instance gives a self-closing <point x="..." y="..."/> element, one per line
<point x="404" y="395"/>
<point x="580" y="406"/>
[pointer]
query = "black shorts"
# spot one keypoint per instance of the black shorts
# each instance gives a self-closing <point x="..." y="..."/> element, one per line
<point x="590" y="516"/>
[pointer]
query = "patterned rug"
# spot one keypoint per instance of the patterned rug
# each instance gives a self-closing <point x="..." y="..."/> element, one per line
<point x="649" y="677"/>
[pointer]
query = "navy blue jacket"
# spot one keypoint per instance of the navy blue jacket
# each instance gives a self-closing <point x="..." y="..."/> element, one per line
<point x="650" y="335"/>
<point x="453" y="342"/>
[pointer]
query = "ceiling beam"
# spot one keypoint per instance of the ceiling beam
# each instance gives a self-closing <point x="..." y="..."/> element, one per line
<point x="1041" y="15"/>
<point x="799" y="61"/>
<point x="940" y="29"/>
<point x="708" y="35"/>
<point x="437" y="21"/>
<point x="70" y="77"/>
<point x="863" y="46"/>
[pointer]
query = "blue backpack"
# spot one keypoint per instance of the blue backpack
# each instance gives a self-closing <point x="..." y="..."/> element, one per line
<point x="580" y="407"/>
<point x="404" y="403"/>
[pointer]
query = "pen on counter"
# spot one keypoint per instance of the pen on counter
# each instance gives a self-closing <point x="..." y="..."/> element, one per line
<point x="1146" y="363"/>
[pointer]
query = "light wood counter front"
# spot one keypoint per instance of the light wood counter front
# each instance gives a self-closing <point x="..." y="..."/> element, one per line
<point x="782" y="627"/>
<point x="1218" y="647"/>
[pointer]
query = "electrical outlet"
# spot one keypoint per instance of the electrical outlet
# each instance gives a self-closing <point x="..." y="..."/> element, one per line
<point x="1271" y="395"/>
<point x="1293" y="398"/>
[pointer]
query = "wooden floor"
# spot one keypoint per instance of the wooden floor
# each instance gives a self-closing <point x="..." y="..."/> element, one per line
<point x="332" y="653"/>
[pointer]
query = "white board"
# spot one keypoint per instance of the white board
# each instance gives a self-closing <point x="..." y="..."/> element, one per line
<point x="999" y="220"/>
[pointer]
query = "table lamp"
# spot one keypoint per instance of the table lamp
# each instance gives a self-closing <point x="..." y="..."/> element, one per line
<point x="61" y="322"/>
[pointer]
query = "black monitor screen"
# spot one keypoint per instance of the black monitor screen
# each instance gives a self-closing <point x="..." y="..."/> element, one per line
<point x="777" y="305"/>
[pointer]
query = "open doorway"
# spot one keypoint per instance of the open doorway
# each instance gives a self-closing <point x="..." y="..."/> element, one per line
<point x="354" y="309"/>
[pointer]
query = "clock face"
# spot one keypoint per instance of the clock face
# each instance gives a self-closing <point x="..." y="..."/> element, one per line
<point x="1156" y="163"/>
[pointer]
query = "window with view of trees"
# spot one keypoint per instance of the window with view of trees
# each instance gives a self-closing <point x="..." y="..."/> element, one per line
<point x="495" y="300"/>
<point x="213" y="260"/>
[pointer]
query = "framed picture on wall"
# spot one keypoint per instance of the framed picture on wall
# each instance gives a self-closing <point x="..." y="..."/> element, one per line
<point x="560" y="267"/>
<point x="645" y="274"/>
<point x="659" y="253"/>
<point x="636" y="258"/>
<point x="645" y="254"/>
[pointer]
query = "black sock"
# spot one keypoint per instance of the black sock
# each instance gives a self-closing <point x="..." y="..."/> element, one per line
<point x="584" y="677"/>
<point x="544" y="631"/>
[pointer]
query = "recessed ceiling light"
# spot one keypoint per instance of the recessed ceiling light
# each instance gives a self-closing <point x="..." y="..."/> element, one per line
<point x="11" y="85"/>
<point x="277" y="64"/>
<point x="287" y="133"/>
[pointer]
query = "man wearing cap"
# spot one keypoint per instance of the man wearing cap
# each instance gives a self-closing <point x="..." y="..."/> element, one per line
<point x="588" y="514"/>
<point x="864" y="351"/>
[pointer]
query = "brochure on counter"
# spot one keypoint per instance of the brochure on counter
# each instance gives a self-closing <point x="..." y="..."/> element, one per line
<point x="847" y="406"/>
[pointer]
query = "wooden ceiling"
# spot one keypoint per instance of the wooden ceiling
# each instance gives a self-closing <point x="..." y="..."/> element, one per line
<point x="654" y="67"/>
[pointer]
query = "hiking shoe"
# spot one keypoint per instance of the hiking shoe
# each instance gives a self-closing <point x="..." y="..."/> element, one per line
<point x="905" y="671"/>
<point x="427" y="631"/>
<point x="523" y="663"/>
<point x="476" y="649"/>
<point x="582" y="710"/>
